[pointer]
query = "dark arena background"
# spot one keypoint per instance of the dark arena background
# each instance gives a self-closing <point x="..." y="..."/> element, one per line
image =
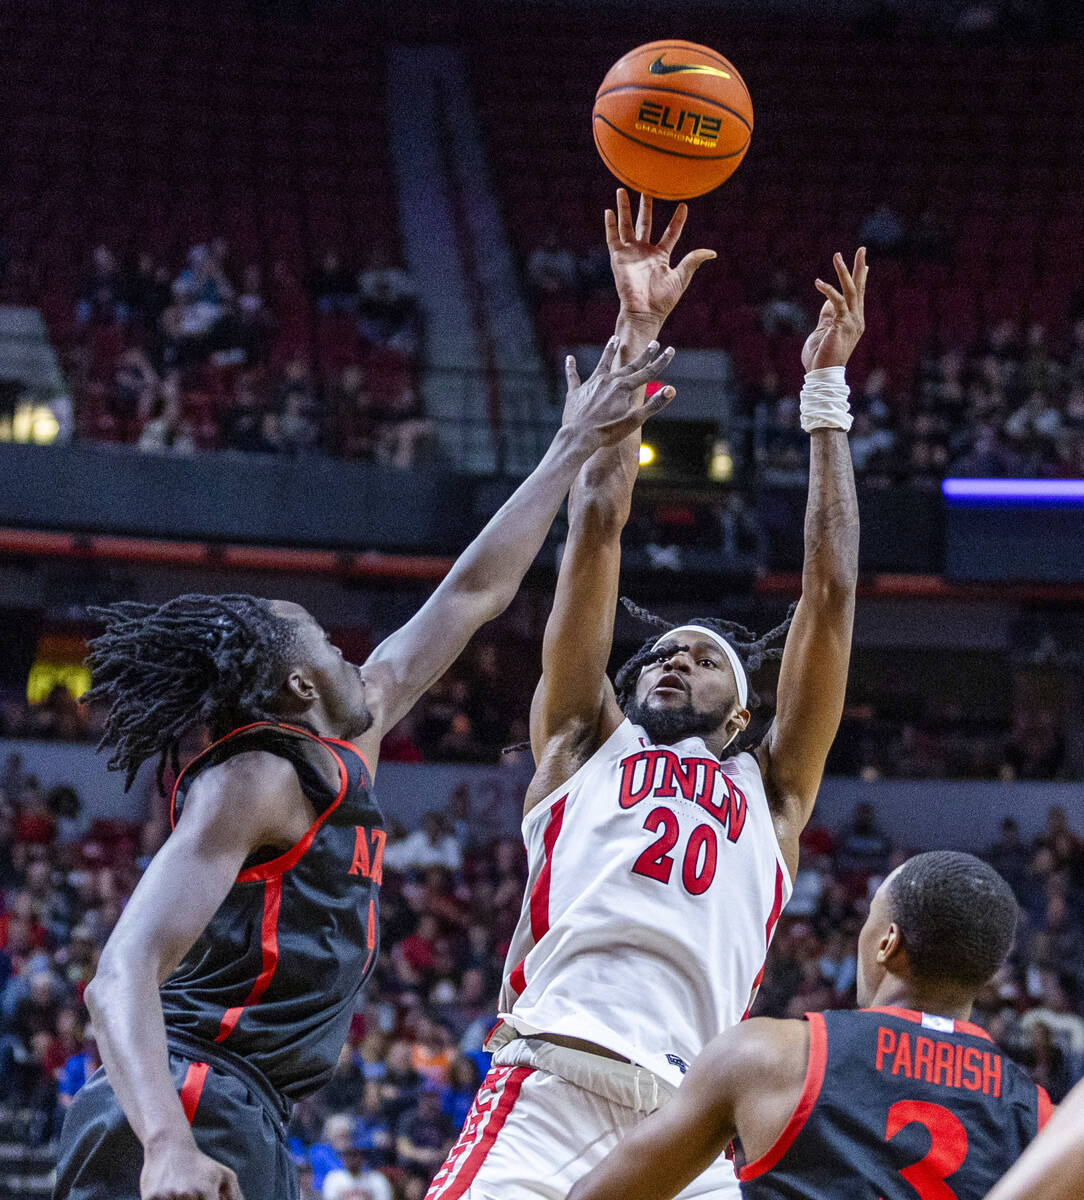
<point x="284" y="293"/>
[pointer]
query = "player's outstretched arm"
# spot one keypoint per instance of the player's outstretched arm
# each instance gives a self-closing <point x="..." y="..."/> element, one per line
<point x="752" y="1072"/>
<point x="813" y="673"/>
<point x="574" y="709"/>
<point x="598" y="412"/>
<point x="177" y="896"/>
<point x="1052" y="1167"/>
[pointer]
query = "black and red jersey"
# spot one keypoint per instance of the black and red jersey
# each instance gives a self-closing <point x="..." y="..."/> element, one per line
<point x="899" y="1105"/>
<point x="273" y="978"/>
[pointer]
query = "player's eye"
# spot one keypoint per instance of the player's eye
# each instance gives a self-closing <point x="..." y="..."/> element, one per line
<point x="708" y="662"/>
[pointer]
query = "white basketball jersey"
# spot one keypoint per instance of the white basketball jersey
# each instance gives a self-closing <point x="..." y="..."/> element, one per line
<point x="655" y="884"/>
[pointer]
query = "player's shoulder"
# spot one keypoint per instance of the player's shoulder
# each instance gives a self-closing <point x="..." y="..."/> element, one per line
<point x="252" y="785"/>
<point x="760" y="1051"/>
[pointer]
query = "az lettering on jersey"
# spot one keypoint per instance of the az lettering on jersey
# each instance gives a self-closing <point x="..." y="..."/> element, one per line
<point x="368" y="862"/>
<point x="663" y="775"/>
<point x="949" y="1064"/>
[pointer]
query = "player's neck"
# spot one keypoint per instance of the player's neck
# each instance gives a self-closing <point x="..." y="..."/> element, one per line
<point x="935" y="999"/>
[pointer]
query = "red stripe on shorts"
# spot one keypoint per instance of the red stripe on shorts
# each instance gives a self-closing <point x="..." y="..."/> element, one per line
<point x="192" y="1088"/>
<point x="485" y="1120"/>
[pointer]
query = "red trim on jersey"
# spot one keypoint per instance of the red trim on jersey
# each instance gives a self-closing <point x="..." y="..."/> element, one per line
<point x="1046" y="1107"/>
<point x="769" y="931"/>
<point x="278" y="866"/>
<point x="351" y="746"/>
<point x="814" y="1078"/>
<point x="909" y="1014"/>
<point x="460" y="1177"/>
<point x="539" y="899"/>
<point x="269" y="940"/>
<point x="517" y="980"/>
<point x="540" y="893"/>
<point x="202" y="753"/>
<point x="291" y="857"/>
<point x="192" y="1088"/>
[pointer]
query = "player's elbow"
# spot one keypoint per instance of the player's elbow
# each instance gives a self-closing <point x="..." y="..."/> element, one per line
<point x="598" y="516"/>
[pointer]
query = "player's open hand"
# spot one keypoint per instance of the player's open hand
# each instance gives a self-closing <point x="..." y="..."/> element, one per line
<point x="647" y="285"/>
<point x="184" y="1172"/>
<point x="603" y="410"/>
<point x="842" y="319"/>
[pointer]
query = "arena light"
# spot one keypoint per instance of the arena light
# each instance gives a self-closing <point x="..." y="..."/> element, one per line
<point x="647" y="454"/>
<point x="1055" y="493"/>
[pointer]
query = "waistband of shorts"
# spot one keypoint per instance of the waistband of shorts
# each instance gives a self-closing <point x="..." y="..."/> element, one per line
<point x="621" y="1083"/>
<point x="270" y="1097"/>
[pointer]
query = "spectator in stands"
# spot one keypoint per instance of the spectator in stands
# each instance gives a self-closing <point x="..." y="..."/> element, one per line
<point x="551" y="267"/>
<point x="862" y="851"/>
<point x="135" y="382"/>
<point x="254" y="318"/>
<point x="387" y="304"/>
<point x="333" y="285"/>
<point x="432" y="845"/>
<point x="783" y="310"/>
<point x="355" y="1179"/>
<point x="167" y="430"/>
<point x="424" y="1133"/>
<point x="100" y="298"/>
<point x="148" y="292"/>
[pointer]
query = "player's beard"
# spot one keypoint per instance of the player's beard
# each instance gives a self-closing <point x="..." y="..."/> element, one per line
<point x="666" y="725"/>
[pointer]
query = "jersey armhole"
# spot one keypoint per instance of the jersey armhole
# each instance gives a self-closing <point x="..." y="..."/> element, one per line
<point x="811" y="1088"/>
<point x="565" y="789"/>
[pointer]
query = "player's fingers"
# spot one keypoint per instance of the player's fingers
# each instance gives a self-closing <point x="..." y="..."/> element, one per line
<point x="641" y="360"/>
<point x="839" y="305"/>
<point x="624" y="216"/>
<point x="613" y="238"/>
<point x="861" y="270"/>
<point x="850" y="292"/>
<point x="656" y="366"/>
<point x="572" y="376"/>
<point x="609" y="353"/>
<point x="672" y="232"/>
<point x="231" y="1189"/>
<point x="643" y="219"/>
<point x="654" y="405"/>
<point x="691" y="263"/>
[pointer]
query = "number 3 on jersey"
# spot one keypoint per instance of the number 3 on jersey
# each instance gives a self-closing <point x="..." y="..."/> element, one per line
<point x="699" y="858"/>
<point x="948" y="1146"/>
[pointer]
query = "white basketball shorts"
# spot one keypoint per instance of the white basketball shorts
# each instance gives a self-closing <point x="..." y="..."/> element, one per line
<point x="532" y="1133"/>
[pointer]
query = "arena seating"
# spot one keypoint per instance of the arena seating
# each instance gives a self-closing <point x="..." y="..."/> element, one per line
<point x="984" y="143"/>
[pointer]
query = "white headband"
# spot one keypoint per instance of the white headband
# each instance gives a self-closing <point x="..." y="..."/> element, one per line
<point x="727" y="649"/>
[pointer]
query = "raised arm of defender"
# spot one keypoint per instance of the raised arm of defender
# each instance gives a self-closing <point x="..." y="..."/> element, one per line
<point x="813" y="673"/>
<point x="599" y="412"/>
<point x="574" y="709"/>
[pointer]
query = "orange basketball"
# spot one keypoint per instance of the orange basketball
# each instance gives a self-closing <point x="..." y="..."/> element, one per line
<point x="672" y="119"/>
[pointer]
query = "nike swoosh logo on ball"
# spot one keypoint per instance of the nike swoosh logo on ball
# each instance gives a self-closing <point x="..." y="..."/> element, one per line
<point x="658" y="67"/>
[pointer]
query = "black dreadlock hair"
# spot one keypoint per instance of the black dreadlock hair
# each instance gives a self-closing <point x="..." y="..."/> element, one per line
<point x="212" y="661"/>
<point x="752" y="651"/>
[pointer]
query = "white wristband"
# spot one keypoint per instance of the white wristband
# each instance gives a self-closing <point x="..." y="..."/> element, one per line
<point x="824" y="400"/>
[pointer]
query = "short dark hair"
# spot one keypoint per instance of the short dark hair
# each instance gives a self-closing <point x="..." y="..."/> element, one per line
<point x="211" y="661"/>
<point x="956" y="915"/>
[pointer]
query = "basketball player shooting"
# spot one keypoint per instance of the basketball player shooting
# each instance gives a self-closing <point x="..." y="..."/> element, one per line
<point x="659" y="856"/>
<point x="903" y="1098"/>
<point x="227" y="987"/>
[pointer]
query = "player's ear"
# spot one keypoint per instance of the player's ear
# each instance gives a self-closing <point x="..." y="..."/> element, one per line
<point x="739" y="720"/>
<point x="890" y="945"/>
<point x="300" y="687"/>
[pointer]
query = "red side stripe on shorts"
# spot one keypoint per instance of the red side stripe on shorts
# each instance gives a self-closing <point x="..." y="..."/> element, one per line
<point x="192" y="1088"/>
<point x="484" y="1121"/>
<point x="269" y="938"/>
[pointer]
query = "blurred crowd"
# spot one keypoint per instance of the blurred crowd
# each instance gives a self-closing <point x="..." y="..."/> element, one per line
<point x="1011" y="405"/>
<point x="380" y="1127"/>
<point x="213" y="356"/>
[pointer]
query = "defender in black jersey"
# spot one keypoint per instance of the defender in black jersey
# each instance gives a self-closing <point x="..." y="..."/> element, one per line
<point x="904" y="1099"/>
<point x="226" y="988"/>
